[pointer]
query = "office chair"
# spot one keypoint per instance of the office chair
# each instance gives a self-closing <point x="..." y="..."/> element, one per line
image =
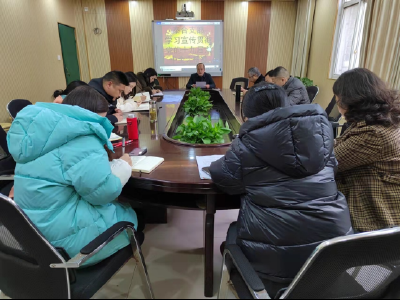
<point x="362" y="266"/>
<point x="312" y="92"/>
<point x="15" y="106"/>
<point x="31" y="268"/>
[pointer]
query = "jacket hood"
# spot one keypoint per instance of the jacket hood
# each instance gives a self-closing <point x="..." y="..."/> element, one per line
<point x="297" y="141"/>
<point x="41" y="128"/>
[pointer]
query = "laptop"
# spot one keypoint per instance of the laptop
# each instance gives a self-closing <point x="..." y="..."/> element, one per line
<point x="201" y="84"/>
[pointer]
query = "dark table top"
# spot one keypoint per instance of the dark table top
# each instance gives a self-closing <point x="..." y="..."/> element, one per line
<point x="179" y="173"/>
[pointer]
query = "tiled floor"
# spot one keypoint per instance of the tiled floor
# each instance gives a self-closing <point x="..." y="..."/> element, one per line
<point x="174" y="257"/>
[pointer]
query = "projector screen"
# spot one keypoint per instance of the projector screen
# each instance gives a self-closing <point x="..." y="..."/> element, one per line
<point x="180" y="45"/>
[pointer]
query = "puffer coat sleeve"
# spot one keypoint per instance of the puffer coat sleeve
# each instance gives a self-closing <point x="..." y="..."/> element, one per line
<point x="227" y="172"/>
<point x="91" y="176"/>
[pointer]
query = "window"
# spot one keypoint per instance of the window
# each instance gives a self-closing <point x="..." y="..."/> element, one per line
<point x="348" y="36"/>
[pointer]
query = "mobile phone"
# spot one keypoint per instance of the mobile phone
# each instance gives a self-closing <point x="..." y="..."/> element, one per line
<point x="138" y="152"/>
<point x="207" y="171"/>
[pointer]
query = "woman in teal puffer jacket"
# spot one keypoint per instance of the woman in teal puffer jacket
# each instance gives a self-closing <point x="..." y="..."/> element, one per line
<point x="64" y="180"/>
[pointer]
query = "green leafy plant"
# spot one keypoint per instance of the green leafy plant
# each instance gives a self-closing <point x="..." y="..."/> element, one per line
<point x="200" y="130"/>
<point x="306" y="81"/>
<point x="198" y="103"/>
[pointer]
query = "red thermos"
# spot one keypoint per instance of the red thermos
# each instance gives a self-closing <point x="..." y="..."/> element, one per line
<point x="133" y="131"/>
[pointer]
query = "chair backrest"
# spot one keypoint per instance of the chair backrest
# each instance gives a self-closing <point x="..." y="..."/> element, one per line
<point x="362" y="266"/>
<point x="312" y="92"/>
<point x="25" y="258"/>
<point x="15" y="106"/>
<point x="240" y="80"/>
<point x="333" y="111"/>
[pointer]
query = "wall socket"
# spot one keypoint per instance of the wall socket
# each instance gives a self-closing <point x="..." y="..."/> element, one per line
<point x="59" y="57"/>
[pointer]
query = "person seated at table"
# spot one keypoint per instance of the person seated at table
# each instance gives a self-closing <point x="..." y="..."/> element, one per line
<point x="269" y="76"/>
<point x="148" y="82"/>
<point x="201" y="76"/>
<point x="283" y="165"/>
<point x="295" y="89"/>
<point x="60" y="95"/>
<point x="111" y="87"/>
<point x="369" y="151"/>
<point x="126" y="102"/>
<point x="255" y="77"/>
<point x="64" y="180"/>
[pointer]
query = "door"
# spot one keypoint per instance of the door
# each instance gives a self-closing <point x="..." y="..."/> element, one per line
<point x="69" y="52"/>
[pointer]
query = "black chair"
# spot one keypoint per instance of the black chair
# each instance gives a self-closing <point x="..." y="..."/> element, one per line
<point x="15" y="106"/>
<point x="363" y="266"/>
<point x="312" y="92"/>
<point x="31" y="268"/>
<point x="7" y="165"/>
<point x="243" y="81"/>
<point x="334" y="116"/>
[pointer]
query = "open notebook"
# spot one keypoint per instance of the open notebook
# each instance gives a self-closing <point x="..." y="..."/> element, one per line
<point x="146" y="164"/>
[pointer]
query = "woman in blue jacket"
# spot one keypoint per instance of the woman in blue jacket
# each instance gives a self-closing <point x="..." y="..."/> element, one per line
<point x="64" y="180"/>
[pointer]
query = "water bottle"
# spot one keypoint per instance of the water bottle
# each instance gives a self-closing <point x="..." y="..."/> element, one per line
<point x="133" y="130"/>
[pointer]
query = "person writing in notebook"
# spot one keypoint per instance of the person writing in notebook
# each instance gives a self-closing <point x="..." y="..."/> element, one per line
<point x="201" y="76"/>
<point x="111" y="87"/>
<point x="126" y="102"/>
<point x="65" y="180"/>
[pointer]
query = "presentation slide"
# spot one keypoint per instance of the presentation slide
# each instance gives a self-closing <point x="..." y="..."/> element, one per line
<point x="180" y="45"/>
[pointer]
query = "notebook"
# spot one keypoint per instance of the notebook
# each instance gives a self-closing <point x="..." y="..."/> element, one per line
<point x="205" y="162"/>
<point x="138" y="97"/>
<point x="114" y="137"/>
<point x="146" y="164"/>
<point x="143" y="107"/>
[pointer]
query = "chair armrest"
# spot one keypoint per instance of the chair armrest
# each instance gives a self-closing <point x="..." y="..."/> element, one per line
<point x="245" y="269"/>
<point x="6" y="177"/>
<point x="95" y="246"/>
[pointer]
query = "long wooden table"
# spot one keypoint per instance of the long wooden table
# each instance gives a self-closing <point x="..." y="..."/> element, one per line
<point x="176" y="183"/>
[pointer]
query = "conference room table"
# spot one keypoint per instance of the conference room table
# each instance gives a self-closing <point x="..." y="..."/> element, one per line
<point x="176" y="183"/>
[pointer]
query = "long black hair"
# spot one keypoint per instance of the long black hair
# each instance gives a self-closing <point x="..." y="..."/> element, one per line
<point x="70" y="87"/>
<point x="367" y="98"/>
<point x="150" y="72"/>
<point x="131" y="78"/>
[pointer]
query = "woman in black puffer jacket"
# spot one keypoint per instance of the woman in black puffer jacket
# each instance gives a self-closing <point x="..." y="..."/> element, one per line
<point x="284" y="166"/>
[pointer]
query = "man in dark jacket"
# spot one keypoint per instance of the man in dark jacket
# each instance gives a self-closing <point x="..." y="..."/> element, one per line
<point x="201" y="76"/>
<point x="295" y="89"/>
<point x="111" y="86"/>
<point x="284" y="167"/>
<point x="255" y="77"/>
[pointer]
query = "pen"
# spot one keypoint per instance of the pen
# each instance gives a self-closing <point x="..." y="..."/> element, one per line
<point x="120" y="144"/>
<point x="123" y="145"/>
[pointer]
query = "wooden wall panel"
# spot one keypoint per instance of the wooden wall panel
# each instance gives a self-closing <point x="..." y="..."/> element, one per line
<point x="281" y="36"/>
<point x="119" y="35"/>
<point x="213" y="10"/>
<point x="235" y="32"/>
<point x="142" y="35"/>
<point x="258" y="26"/>
<point x="166" y="9"/>
<point x="169" y="83"/>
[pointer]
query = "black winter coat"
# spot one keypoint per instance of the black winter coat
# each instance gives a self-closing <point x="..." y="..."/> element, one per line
<point x="284" y="166"/>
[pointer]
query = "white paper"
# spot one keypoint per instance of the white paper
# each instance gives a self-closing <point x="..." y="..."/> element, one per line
<point x="205" y="162"/>
<point x="114" y="137"/>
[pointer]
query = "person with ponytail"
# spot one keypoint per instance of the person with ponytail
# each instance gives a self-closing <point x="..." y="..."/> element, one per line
<point x="60" y="95"/>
